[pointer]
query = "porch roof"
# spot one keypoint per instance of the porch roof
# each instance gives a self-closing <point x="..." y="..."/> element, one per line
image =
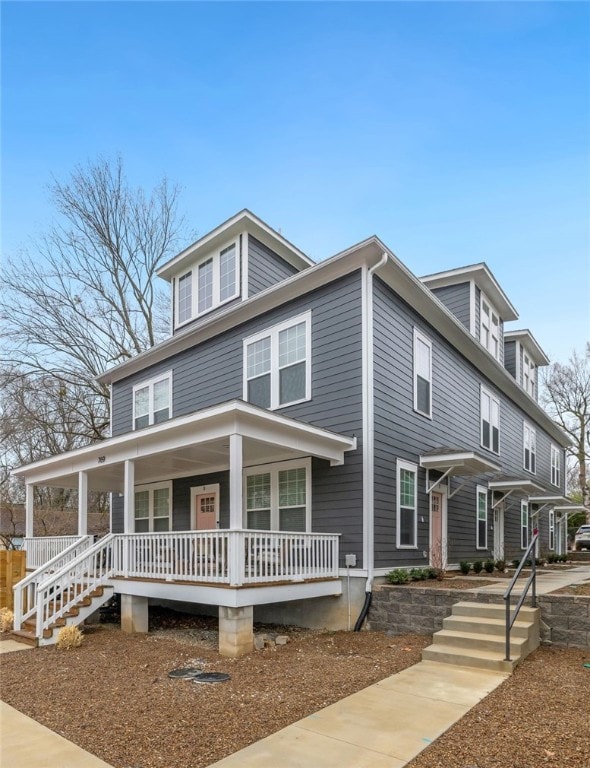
<point x="520" y="484"/>
<point x="571" y="508"/>
<point x="555" y="499"/>
<point x="189" y="445"/>
<point x="457" y="461"/>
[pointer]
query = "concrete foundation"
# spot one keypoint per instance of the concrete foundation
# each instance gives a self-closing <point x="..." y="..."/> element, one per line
<point x="236" y="631"/>
<point x="134" y="613"/>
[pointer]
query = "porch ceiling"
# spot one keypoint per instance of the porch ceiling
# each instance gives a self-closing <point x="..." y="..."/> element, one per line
<point x="457" y="462"/>
<point x="189" y="445"/>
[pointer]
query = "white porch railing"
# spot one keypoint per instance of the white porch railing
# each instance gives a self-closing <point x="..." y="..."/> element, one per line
<point x="25" y="590"/>
<point x="41" y="549"/>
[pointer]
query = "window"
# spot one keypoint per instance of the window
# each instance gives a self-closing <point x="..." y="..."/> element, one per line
<point x="530" y="448"/>
<point x="524" y="524"/>
<point x="278" y="498"/>
<point x="489" y="333"/>
<point x="277" y="370"/>
<point x="529" y="375"/>
<point x="422" y="374"/>
<point x="152" y="401"/>
<point x="555" y="466"/>
<point x="490" y="421"/>
<point x="209" y="284"/>
<point x="153" y="508"/>
<point x="481" y="535"/>
<point x="551" y="529"/>
<point x="407" y="518"/>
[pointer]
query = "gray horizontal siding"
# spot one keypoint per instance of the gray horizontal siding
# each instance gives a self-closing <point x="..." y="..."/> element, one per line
<point x="265" y="267"/>
<point x="457" y="299"/>
<point x="400" y="432"/>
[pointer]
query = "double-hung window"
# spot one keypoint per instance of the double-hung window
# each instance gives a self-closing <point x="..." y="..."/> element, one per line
<point x="524" y="524"/>
<point x="490" y="421"/>
<point x="277" y="364"/>
<point x="422" y="374"/>
<point x="555" y="466"/>
<point x="529" y="440"/>
<point x="529" y="375"/>
<point x="407" y="507"/>
<point x="152" y="401"/>
<point x="208" y="284"/>
<point x="481" y="534"/>
<point x="153" y="507"/>
<point x="489" y="333"/>
<point x="277" y="496"/>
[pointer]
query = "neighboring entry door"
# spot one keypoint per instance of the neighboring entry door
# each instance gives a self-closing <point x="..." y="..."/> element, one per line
<point x="438" y="545"/>
<point x="499" y="532"/>
<point x="205" y="508"/>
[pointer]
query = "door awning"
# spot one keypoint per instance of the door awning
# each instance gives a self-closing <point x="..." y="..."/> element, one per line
<point x="571" y="508"/>
<point x="456" y="462"/>
<point x="554" y="499"/>
<point x="508" y="485"/>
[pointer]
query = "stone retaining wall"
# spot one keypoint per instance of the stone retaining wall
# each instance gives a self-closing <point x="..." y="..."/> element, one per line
<point x="419" y="610"/>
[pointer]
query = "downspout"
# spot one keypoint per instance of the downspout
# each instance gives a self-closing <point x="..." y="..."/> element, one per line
<point x="368" y="436"/>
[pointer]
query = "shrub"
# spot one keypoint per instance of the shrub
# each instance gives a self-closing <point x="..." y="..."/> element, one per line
<point x="465" y="567"/>
<point x="477" y="566"/>
<point x="397" y="576"/>
<point x="500" y="565"/>
<point x="69" y="637"/>
<point x="515" y="562"/>
<point x="489" y="566"/>
<point x="562" y="558"/>
<point x="552" y="558"/>
<point x="418" y="574"/>
<point x="6" y="620"/>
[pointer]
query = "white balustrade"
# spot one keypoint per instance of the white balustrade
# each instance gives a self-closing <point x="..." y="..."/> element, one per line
<point x="41" y="549"/>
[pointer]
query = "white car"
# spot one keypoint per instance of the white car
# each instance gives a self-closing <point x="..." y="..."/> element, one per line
<point x="582" y="539"/>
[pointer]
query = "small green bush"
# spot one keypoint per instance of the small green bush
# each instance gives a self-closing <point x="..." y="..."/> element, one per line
<point x="489" y="566"/>
<point x="465" y="567"/>
<point x="500" y="565"/>
<point x="418" y="574"/>
<point x="515" y="562"/>
<point x="477" y="566"/>
<point x="562" y="558"/>
<point x="552" y="558"/>
<point x="397" y="576"/>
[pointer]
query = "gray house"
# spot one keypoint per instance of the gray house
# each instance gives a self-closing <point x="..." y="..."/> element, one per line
<point x="305" y="429"/>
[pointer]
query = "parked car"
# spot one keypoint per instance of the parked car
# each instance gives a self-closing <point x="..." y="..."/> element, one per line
<point x="582" y="539"/>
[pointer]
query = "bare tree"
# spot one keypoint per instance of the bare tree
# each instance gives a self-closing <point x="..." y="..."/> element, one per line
<point x="567" y="398"/>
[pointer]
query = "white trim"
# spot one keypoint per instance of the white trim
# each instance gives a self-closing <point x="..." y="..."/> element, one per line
<point x="401" y="464"/>
<point x="274" y="469"/>
<point x="150" y="384"/>
<point x="529" y="340"/>
<point x="29" y="505"/>
<point x="532" y="447"/>
<point x="484" y="391"/>
<point x="273" y="333"/>
<point x="421" y="337"/>
<point x="151" y="487"/>
<point x="198" y="490"/>
<point x="244" y="259"/>
<point x="551" y="536"/>
<point x="524" y="507"/>
<point x="472" y="327"/>
<point x="481" y="490"/>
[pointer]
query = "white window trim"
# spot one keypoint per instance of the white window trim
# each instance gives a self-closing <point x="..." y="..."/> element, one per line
<point x="533" y="431"/>
<point x="273" y="470"/>
<point x="480" y="490"/>
<point x="419" y="336"/>
<point x="551" y="537"/>
<point x="524" y="507"/>
<point x="151" y="487"/>
<point x="273" y="333"/>
<point x="493" y="399"/>
<point x="194" y="269"/>
<point x="555" y="454"/>
<point x="493" y="311"/>
<point x="150" y="384"/>
<point x="198" y="490"/>
<point x="401" y="464"/>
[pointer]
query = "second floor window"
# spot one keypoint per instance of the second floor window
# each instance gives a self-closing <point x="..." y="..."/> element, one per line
<point x="152" y="401"/>
<point x="555" y="466"/>
<point x="277" y="370"/>
<point x="422" y="374"/>
<point x="530" y="448"/>
<point x="490" y="421"/>
<point x="489" y="333"/>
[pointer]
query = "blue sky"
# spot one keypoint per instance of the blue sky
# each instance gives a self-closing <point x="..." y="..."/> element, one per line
<point x="457" y="132"/>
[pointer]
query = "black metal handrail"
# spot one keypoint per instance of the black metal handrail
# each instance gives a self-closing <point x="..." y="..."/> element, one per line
<point x="532" y="579"/>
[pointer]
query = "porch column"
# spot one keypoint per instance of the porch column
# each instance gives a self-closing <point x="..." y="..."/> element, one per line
<point x="134" y="614"/>
<point x="29" y="491"/>
<point x="235" y="481"/>
<point x="129" y="496"/>
<point x="236" y="630"/>
<point x="82" y="503"/>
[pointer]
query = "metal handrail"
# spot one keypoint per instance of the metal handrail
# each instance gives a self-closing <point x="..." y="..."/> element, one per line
<point x="532" y="580"/>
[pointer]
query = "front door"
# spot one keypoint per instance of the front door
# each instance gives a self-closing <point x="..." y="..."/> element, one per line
<point x="438" y="542"/>
<point x="499" y="532"/>
<point x="205" y="508"/>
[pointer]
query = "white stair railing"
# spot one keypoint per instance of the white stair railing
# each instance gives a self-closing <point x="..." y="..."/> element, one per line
<point x="41" y="549"/>
<point x="25" y="590"/>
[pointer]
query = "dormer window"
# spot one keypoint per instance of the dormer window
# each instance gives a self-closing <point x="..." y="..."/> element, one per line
<point x="209" y="284"/>
<point x="529" y="375"/>
<point x="489" y="333"/>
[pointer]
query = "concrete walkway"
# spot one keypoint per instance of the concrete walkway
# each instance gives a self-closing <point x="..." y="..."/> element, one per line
<point x="547" y="580"/>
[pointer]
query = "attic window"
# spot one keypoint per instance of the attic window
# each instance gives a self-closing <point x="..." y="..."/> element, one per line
<point x="209" y="284"/>
<point x="489" y="333"/>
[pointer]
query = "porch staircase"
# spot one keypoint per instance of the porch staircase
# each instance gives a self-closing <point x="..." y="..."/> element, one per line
<point x="474" y="636"/>
<point x="79" y="609"/>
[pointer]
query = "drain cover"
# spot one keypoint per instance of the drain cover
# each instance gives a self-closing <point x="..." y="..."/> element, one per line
<point x="211" y="677"/>
<point x="185" y="673"/>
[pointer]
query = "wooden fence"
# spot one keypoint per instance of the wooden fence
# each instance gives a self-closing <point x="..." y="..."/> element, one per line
<point x="12" y="570"/>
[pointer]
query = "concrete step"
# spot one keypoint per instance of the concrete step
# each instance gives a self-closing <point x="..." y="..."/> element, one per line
<point x="478" y="641"/>
<point x="472" y="658"/>
<point x="491" y="611"/>
<point x="485" y="625"/>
